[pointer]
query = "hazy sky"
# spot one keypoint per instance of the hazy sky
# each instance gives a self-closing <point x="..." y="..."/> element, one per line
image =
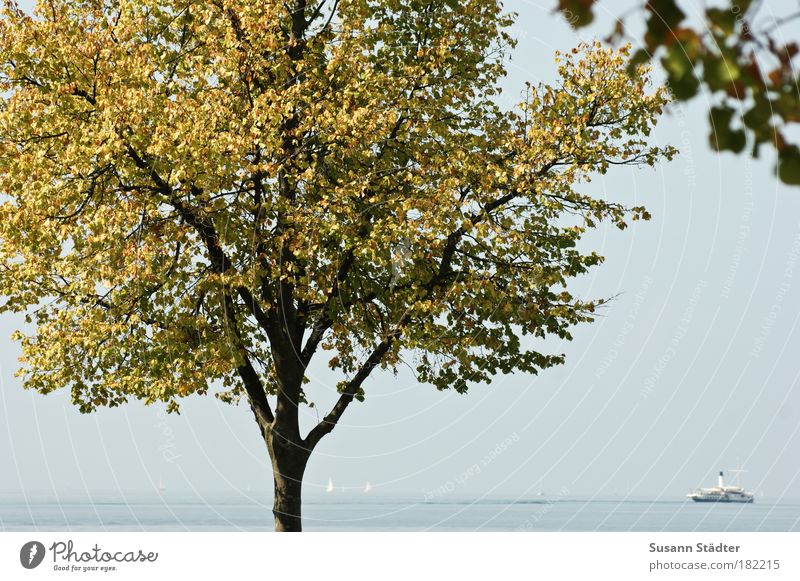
<point x="693" y="367"/>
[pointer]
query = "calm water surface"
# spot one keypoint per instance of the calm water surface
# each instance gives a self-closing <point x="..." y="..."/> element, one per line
<point x="375" y="513"/>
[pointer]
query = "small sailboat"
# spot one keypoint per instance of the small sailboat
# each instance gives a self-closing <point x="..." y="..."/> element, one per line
<point x="330" y="485"/>
<point x="161" y="487"/>
<point x="368" y="487"/>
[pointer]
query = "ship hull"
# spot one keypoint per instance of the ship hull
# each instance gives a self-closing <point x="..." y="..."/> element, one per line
<point x="748" y="501"/>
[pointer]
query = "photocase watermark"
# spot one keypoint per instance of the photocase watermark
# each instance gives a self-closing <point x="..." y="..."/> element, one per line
<point x="687" y="153"/>
<point x="786" y="284"/>
<point x="627" y="327"/>
<point x="571" y="18"/>
<point x="169" y="448"/>
<point x="680" y="333"/>
<point x="452" y="485"/>
<point x="541" y="509"/>
<point x="402" y="256"/>
<point x="518" y="32"/>
<point x="31" y="554"/>
<point x="742" y="235"/>
<point x="738" y="15"/>
<point x="67" y="558"/>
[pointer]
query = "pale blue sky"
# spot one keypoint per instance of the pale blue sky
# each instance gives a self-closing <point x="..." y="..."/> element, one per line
<point x="694" y="366"/>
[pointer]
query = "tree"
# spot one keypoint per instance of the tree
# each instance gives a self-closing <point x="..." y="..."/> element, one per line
<point x="737" y="55"/>
<point x="204" y="196"/>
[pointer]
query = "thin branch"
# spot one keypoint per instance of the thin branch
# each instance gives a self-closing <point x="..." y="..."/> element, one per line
<point x="221" y="264"/>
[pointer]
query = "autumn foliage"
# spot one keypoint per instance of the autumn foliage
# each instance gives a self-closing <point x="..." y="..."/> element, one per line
<point x="204" y="196"/>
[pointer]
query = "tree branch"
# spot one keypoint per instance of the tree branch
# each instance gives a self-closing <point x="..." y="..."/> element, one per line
<point x="220" y="264"/>
<point x="326" y="425"/>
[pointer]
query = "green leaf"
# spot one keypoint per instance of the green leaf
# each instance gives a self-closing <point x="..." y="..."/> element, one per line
<point x="719" y="72"/>
<point x="789" y="165"/>
<point x="722" y="137"/>
<point x="759" y="114"/>
<point x="723" y="19"/>
<point x="577" y="12"/>
<point x="787" y="106"/>
<point x="684" y="87"/>
<point x="676" y="61"/>
<point x="680" y="70"/>
<point x="641" y="56"/>
<point x="667" y="12"/>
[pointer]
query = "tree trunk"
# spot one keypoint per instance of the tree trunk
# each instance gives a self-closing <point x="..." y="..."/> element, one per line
<point x="287" y="505"/>
<point x="289" y="461"/>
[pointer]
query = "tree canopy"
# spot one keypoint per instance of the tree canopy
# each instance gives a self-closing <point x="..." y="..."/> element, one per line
<point x="201" y="196"/>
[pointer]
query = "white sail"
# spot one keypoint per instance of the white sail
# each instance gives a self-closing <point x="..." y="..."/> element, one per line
<point x="330" y="485"/>
<point x="368" y="487"/>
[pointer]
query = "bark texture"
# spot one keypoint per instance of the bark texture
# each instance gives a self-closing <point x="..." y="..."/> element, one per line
<point x="289" y="459"/>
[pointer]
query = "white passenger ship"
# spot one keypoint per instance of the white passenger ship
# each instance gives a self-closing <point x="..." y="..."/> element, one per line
<point x="721" y="493"/>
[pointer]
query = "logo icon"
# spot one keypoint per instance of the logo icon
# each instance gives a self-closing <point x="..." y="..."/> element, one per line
<point x="31" y="554"/>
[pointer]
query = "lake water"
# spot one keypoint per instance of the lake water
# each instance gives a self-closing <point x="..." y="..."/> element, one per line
<point x="375" y="513"/>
